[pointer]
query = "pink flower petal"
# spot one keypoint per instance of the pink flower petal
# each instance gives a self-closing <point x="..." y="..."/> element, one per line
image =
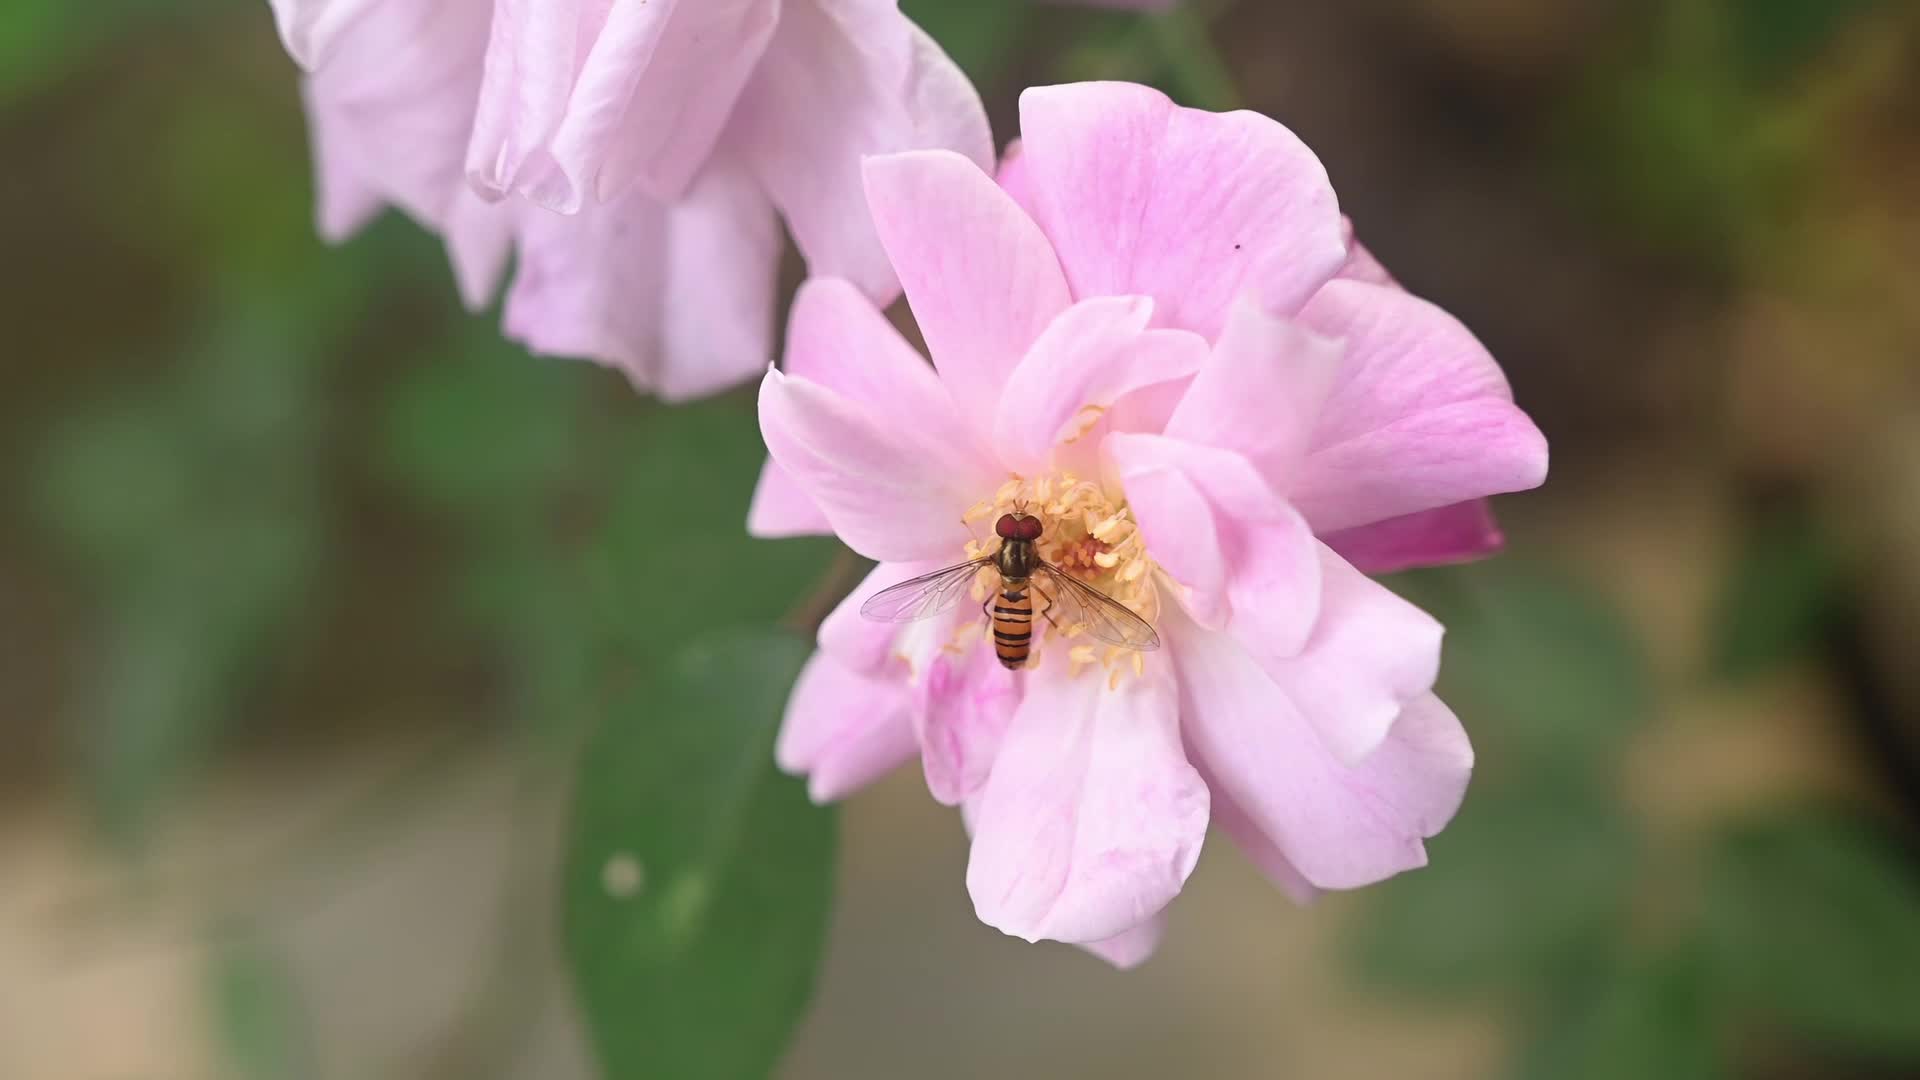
<point x="890" y="493"/>
<point x="1421" y="418"/>
<point x="1459" y="533"/>
<point x="981" y="279"/>
<point x="1015" y="178"/>
<point x="1140" y="196"/>
<point x="311" y="28"/>
<point x="581" y="100"/>
<point x="1246" y="835"/>
<point x="1092" y="819"/>
<point x="837" y="338"/>
<point x="843" y="729"/>
<point x="479" y="237"/>
<point x="394" y="99"/>
<point x="1361" y="265"/>
<point x="344" y="200"/>
<point x="390" y="110"/>
<point x="1370" y="654"/>
<point x="1132" y="947"/>
<point x="1260" y="392"/>
<point x="963" y="707"/>
<point x="1090" y="355"/>
<point x="844" y="79"/>
<point x="1214" y="525"/>
<point x="679" y="297"/>
<point x="1341" y="826"/>
<point x="861" y="643"/>
<point x="780" y="508"/>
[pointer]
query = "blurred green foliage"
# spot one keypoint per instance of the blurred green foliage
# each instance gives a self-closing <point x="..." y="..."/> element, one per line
<point x="256" y="1010"/>
<point x="1698" y="136"/>
<point x="1632" y="957"/>
<point x="1782" y="589"/>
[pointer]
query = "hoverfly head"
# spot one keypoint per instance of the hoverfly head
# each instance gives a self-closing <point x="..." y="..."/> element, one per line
<point x="1017" y="526"/>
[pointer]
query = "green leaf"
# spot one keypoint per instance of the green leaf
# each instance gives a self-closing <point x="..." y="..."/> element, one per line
<point x="255" y="1008"/>
<point x="1815" y="921"/>
<point x="1654" y="1020"/>
<point x="1776" y="597"/>
<point x="674" y="556"/>
<point x="1524" y="886"/>
<point x="699" y="878"/>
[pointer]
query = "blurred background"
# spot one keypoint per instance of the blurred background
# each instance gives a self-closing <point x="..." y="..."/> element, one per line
<point x="312" y="590"/>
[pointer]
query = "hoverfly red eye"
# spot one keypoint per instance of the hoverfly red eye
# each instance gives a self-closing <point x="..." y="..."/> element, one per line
<point x="1026" y="528"/>
<point x="1006" y="526"/>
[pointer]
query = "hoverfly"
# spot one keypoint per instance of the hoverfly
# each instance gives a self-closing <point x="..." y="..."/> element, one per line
<point x="1022" y="571"/>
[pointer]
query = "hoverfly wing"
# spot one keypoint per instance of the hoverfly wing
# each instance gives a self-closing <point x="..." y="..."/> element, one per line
<point x="1075" y="603"/>
<point x="925" y="596"/>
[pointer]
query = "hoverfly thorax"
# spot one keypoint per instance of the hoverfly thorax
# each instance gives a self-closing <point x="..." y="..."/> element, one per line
<point x="1017" y="555"/>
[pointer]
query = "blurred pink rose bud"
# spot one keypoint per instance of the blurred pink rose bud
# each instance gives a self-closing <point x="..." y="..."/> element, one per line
<point x="637" y="158"/>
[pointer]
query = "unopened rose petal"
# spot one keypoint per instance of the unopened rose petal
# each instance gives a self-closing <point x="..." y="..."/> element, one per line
<point x="1092" y="819"/>
<point x="1212" y="523"/>
<point x="1422" y="416"/>
<point x="1130" y="948"/>
<point x="344" y="199"/>
<point x="1459" y="533"/>
<point x="1341" y="826"/>
<point x="583" y="101"/>
<point x="843" y="729"/>
<point x="396" y="100"/>
<point x="841" y="80"/>
<point x="1140" y="196"/>
<point x="1261" y="391"/>
<point x="982" y="281"/>
<point x="889" y="493"/>
<point x="592" y="285"/>
<point x="722" y="260"/>
<point x="479" y="238"/>
<point x="1090" y="356"/>
<point x="678" y="296"/>
<point x="310" y="28"/>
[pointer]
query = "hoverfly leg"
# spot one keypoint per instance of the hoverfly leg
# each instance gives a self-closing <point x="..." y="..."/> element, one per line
<point x="1047" y="612"/>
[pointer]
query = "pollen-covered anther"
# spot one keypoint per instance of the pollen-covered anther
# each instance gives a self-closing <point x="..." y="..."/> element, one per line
<point x="1113" y="528"/>
<point x="1084" y="421"/>
<point x="1090" y="536"/>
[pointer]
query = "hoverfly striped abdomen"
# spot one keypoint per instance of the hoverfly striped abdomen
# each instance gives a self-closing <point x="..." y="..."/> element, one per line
<point x="1013" y="623"/>
<point x="1072" y="606"/>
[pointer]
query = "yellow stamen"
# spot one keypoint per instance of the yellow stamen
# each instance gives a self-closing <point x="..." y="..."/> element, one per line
<point x="1089" y="535"/>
